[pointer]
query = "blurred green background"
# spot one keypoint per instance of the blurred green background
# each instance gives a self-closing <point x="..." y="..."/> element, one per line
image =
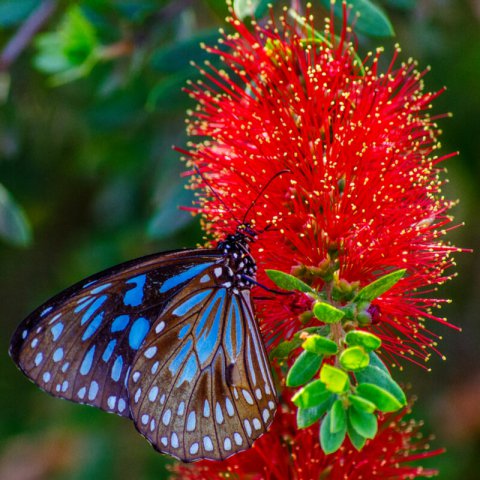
<point x="88" y="114"/>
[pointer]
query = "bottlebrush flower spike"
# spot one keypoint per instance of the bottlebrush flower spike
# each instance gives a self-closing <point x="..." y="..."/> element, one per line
<point x="285" y="452"/>
<point x="363" y="196"/>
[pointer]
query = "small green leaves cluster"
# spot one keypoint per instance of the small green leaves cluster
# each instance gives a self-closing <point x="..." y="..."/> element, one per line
<point x="341" y="380"/>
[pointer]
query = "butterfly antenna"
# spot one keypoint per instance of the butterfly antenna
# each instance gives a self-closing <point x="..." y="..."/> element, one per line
<point x="278" y="174"/>
<point x="217" y="196"/>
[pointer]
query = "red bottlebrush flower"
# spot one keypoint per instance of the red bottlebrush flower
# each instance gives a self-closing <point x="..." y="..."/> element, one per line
<point x="363" y="194"/>
<point x="287" y="453"/>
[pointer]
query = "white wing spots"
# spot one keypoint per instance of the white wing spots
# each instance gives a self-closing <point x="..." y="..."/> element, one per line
<point x="44" y="312"/>
<point x="65" y="386"/>
<point x="111" y="402"/>
<point x="256" y="423"/>
<point x="34" y="343"/>
<point x="167" y="417"/>
<point x="152" y="425"/>
<point x="191" y="421"/>
<point x="136" y="376"/>
<point x="93" y="390"/>
<point x="65" y="366"/>
<point x="248" y="427"/>
<point x="55" y="318"/>
<point x="205" y="279"/>
<point x="155" y="367"/>
<point x="266" y="415"/>
<point x="57" y="330"/>
<point x="248" y="398"/>
<point x="227" y="444"/>
<point x="137" y="395"/>
<point x="206" y="409"/>
<point x="58" y="354"/>
<point x="271" y="405"/>
<point x="229" y="406"/>
<point x="121" y="405"/>
<point x="218" y="413"/>
<point x="267" y="389"/>
<point x="174" y="440"/>
<point x="58" y="387"/>
<point x="46" y="377"/>
<point x="181" y="408"/>
<point x="164" y="441"/>
<point x="235" y="393"/>
<point x="152" y="396"/>
<point x="237" y="438"/>
<point x="81" y="393"/>
<point x="193" y="448"/>
<point x="24" y="334"/>
<point x="207" y="443"/>
<point x="258" y="393"/>
<point x="145" y="418"/>
<point x="159" y="327"/>
<point x="162" y="399"/>
<point x="218" y="272"/>
<point x="38" y="359"/>
<point x="150" y="352"/>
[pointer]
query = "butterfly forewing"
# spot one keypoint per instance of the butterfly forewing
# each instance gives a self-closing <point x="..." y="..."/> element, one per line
<point x="203" y="387"/>
<point x="80" y="345"/>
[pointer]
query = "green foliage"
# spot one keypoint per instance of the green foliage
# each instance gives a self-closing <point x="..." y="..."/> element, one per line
<point x="287" y="281"/>
<point x="379" y="286"/>
<point x="14" y="225"/>
<point x="327" y="313"/>
<point x="304" y="368"/>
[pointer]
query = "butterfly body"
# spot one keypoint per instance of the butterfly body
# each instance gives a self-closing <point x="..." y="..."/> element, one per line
<point x="169" y="340"/>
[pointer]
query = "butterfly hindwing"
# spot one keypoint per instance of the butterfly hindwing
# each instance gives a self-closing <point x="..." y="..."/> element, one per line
<point x="80" y="345"/>
<point x="203" y="387"/>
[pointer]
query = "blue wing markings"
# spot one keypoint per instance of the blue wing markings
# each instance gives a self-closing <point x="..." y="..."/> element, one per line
<point x="138" y="332"/>
<point x="93" y="308"/>
<point x="93" y="326"/>
<point x="117" y="368"/>
<point x="134" y="297"/>
<point x="189" y="371"/>
<point x="107" y="353"/>
<point x="176" y="363"/>
<point x="87" y="361"/>
<point x="190" y="303"/>
<point x="183" y="277"/>
<point x="120" y="323"/>
<point x="57" y="330"/>
<point x="183" y="332"/>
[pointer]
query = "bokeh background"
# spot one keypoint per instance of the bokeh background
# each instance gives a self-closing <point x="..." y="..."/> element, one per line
<point x="88" y="178"/>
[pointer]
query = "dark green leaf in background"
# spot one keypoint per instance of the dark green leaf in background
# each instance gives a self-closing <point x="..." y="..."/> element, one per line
<point x="14" y="225"/>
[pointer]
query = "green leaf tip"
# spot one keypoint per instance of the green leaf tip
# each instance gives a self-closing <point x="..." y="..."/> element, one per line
<point x="327" y="313"/>
<point x="287" y="281"/>
<point x="379" y="286"/>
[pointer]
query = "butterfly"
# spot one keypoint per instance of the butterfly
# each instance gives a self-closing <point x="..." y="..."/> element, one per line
<point x="168" y="340"/>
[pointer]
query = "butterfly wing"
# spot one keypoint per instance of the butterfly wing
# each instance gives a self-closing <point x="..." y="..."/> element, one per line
<point x="80" y="344"/>
<point x="203" y="388"/>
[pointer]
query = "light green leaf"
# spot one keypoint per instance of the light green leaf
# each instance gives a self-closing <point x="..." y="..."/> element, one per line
<point x="327" y="313"/>
<point x="367" y="340"/>
<point x="379" y="286"/>
<point x="320" y="345"/>
<point x="335" y="379"/>
<point x="362" y="404"/>
<point x="378" y="377"/>
<point x="288" y="282"/>
<point x="354" y="358"/>
<point x="311" y="395"/>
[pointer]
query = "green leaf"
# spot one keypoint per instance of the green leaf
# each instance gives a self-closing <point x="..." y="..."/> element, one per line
<point x="338" y="417"/>
<point x="13" y="12"/>
<point x="376" y="362"/>
<point x="383" y="400"/>
<point x="371" y="20"/>
<point x="335" y="379"/>
<point x="288" y="282"/>
<point x="329" y="441"/>
<point x="14" y="225"/>
<point x="379" y="286"/>
<point x="362" y="404"/>
<point x="320" y="345"/>
<point x="378" y="377"/>
<point x="354" y="358"/>
<point x="357" y="440"/>
<point x="311" y="395"/>
<point x="304" y="368"/>
<point x="308" y="416"/>
<point x="327" y="313"/>
<point x="283" y="349"/>
<point x="367" y="340"/>
<point x="364" y="423"/>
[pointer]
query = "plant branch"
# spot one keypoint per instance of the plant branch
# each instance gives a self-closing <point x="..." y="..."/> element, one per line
<point x="25" y="33"/>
